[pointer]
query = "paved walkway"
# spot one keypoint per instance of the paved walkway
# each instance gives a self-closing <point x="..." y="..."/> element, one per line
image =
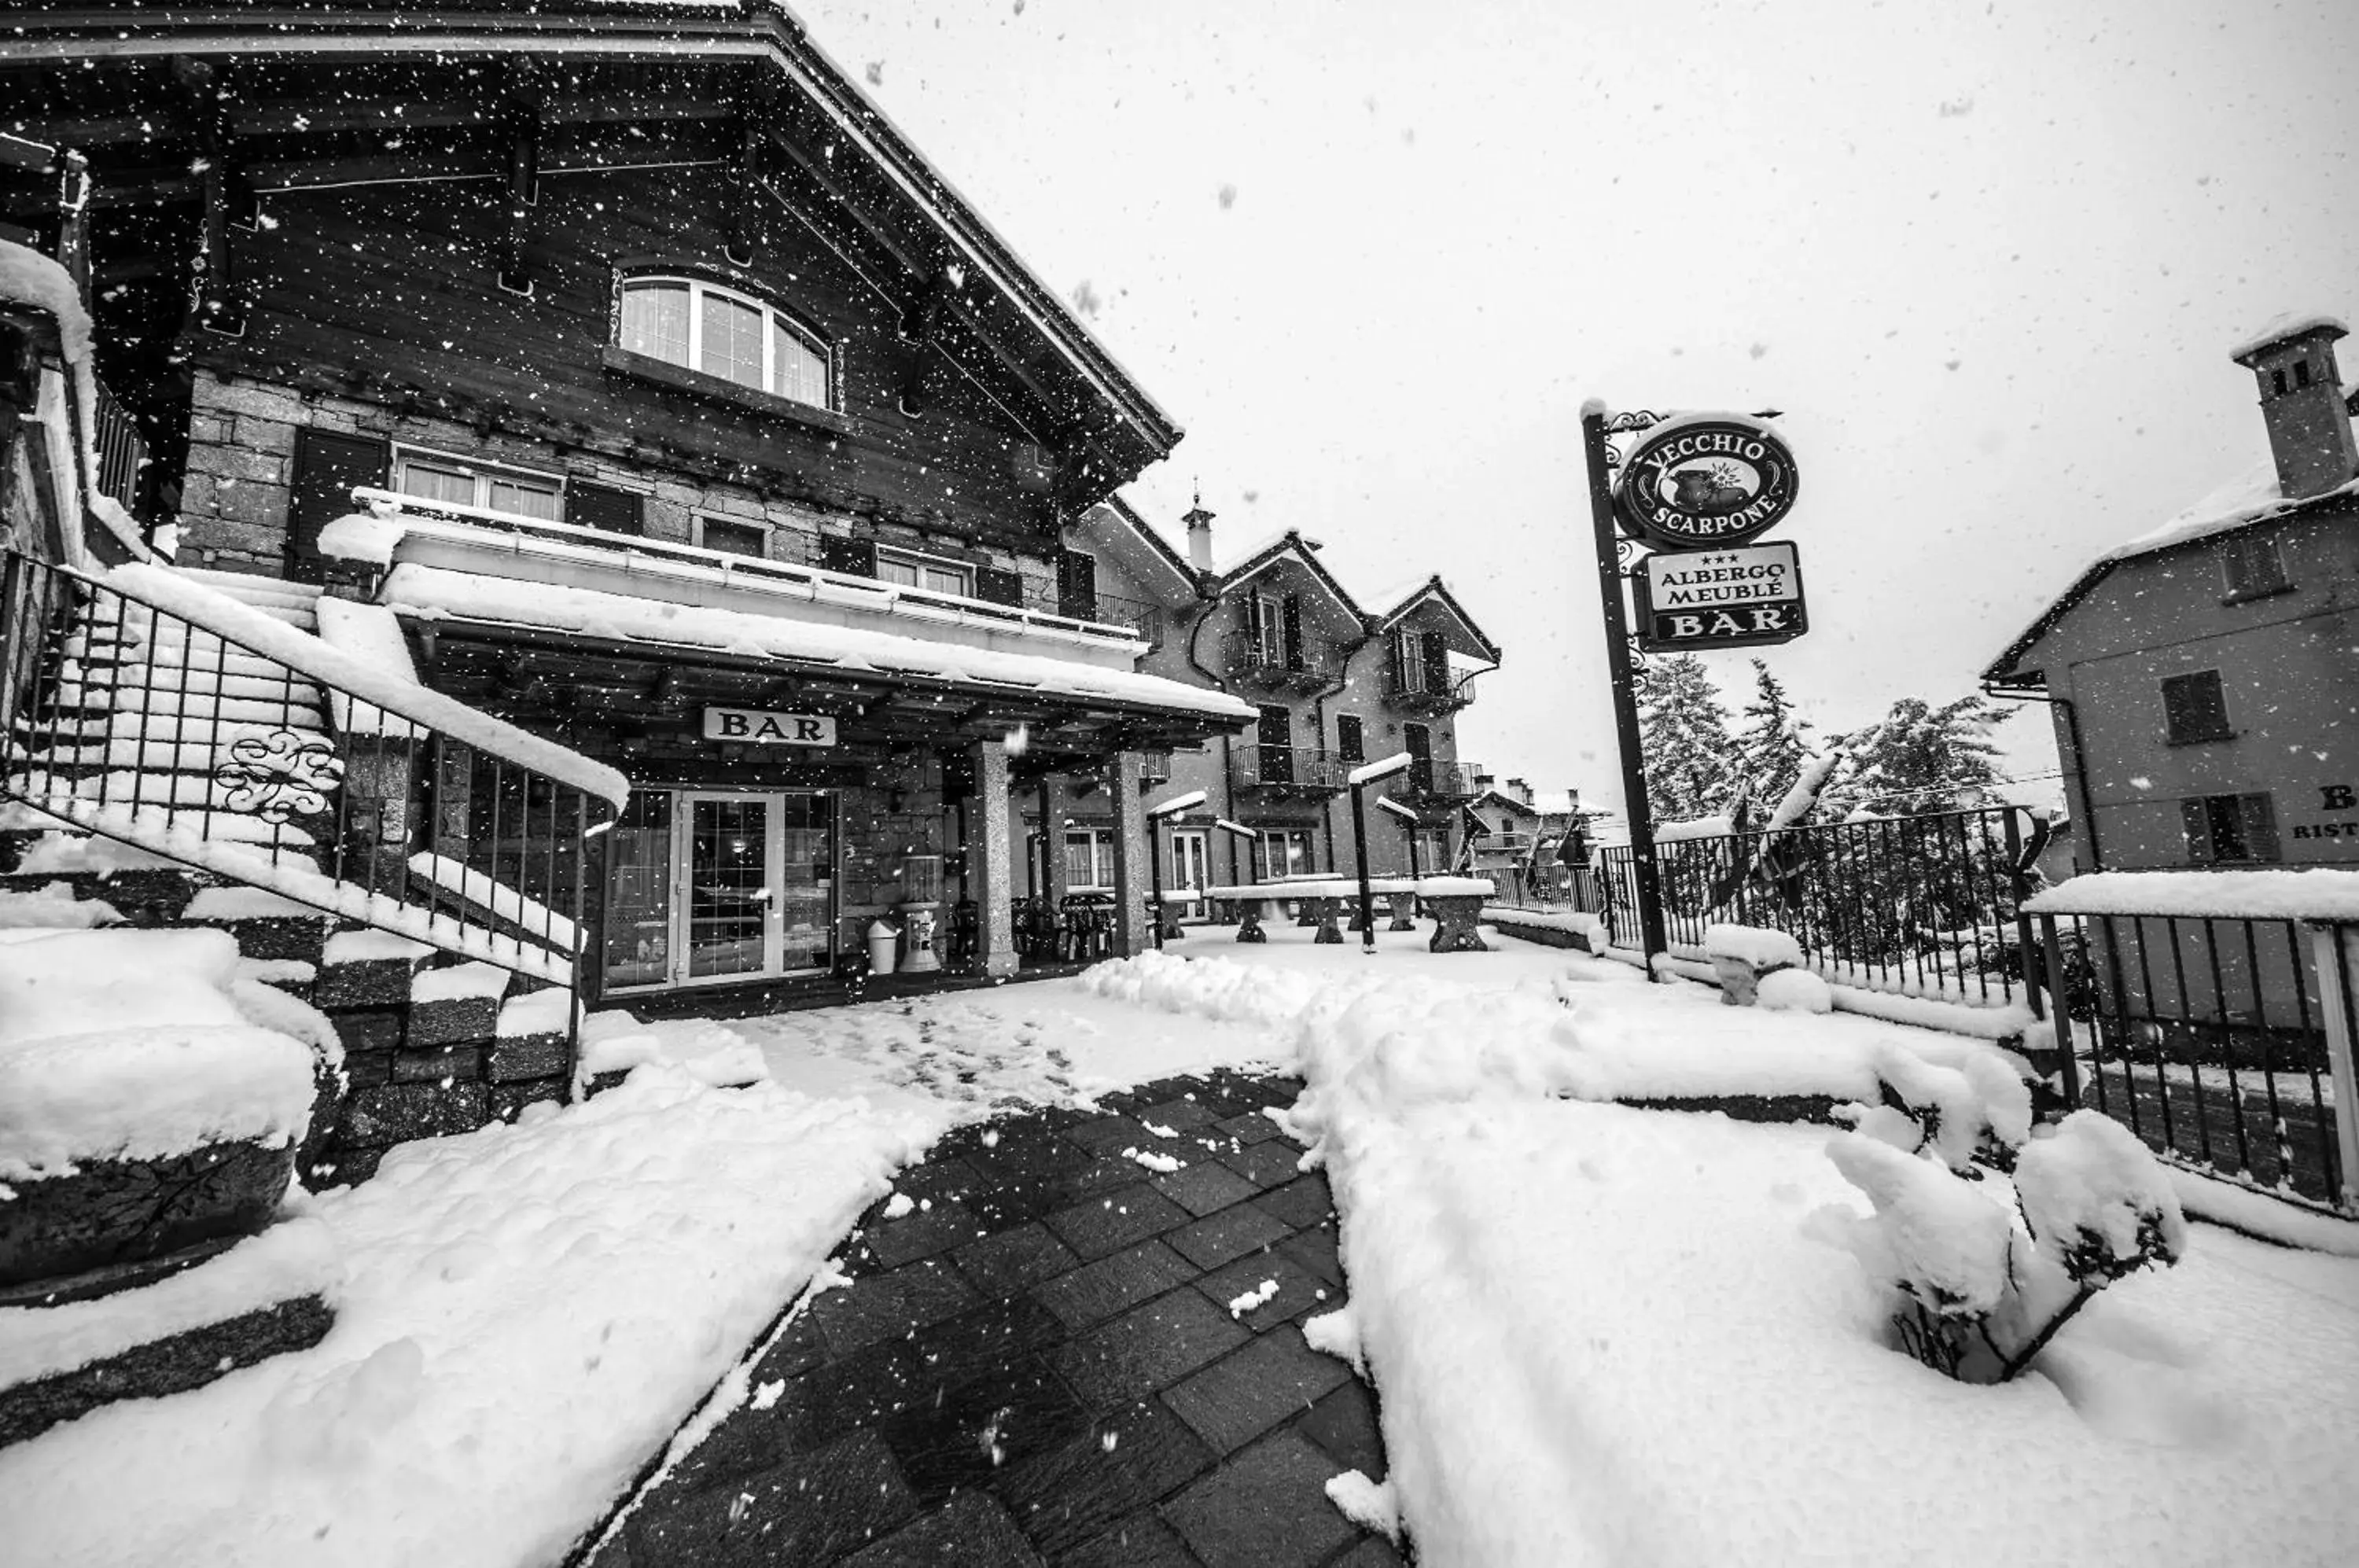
<point x="1045" y="1364"/>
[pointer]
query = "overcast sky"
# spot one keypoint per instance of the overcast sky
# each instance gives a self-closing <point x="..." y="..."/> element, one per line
<point x="1988" y="259"/>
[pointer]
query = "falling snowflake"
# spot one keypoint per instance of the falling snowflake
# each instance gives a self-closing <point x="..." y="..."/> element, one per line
<point x="1228" y="197"/>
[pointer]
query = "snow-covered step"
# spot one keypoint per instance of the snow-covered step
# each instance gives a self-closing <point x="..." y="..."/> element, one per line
<point x="193" y="729"/>
<point x="290" y="602"/>
<point x="299" y="709"/>
<point x="205" y="750"/>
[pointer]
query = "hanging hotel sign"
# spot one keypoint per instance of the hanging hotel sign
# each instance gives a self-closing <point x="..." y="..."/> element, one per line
<point x="1745" y="597"/>
<point x="752" y="727"/>
<point x="1705" y="482"/>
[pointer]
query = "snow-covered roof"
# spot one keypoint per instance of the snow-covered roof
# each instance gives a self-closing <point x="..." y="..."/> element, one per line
<point x="2288" y="324"/>
<point x="1304" y="550"/>
<point x="2252" y="499"/>
<point x="436" y="593"/>
<point x="1432" y="590"/>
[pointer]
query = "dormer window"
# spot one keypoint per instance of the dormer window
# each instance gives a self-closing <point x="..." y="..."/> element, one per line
<point x="701" y="326"/>
<point x="2301" y="373"/>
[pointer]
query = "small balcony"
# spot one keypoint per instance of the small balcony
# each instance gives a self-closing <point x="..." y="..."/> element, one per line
<point x="1429" y="783"/>
<point x="1154" y="768"/>
<point x="1286" y="772"/>
<point x="1265" y="666"/>
<point x="1141" y="619"/>
<point x="1417" y="689"/>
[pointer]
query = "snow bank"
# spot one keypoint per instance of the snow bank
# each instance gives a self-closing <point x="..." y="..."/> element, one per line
<point x="54" y="907"/>
<point x="528" y="1311"/>
<point x="706" y="1051"/>
<point x="1757" y="945"/>
<point x="1795" y="990"/>
<point x="91" y="1068"/>
<point x="2313" y="894"/>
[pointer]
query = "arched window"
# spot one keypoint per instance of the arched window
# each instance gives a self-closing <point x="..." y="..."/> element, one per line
<point x="702" y="326"/>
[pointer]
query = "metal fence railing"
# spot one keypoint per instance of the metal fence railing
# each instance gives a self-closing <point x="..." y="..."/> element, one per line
<point x="1926" y="904"/>
<point x="119" y="451"/>
<point x="2211" y="1039"/>
<point x="1287" y="770"/>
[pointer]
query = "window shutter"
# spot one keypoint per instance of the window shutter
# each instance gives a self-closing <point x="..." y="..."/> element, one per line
<point x="1437" y="662"/>
<point x="603" y="506"/>
<point x="2195" y="707"/>
<point x="1350" y="744"/>
<point x="997" y="586"/>
<point x="854" y="557"/>
<point x="1293" y="632"/>
<point x="2195" y="817"/>
<point x="327" y="466"/>
<point x="1077" y="584"/>
<point x="2260" y="818"/>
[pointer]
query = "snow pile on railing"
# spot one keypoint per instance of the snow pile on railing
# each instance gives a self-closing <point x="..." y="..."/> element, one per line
<point x="93" y="1068"/>
<point x="215" y="612"/>
<point x="2316" y="893"/>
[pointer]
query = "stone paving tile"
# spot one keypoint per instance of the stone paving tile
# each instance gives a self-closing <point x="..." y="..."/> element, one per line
<point x="961" y="1438"/>
<point x="811" y="1510"/>
<point x="1231" y="1233"/>
<point x="1109" y="1222"/>
<point x="1204" y="1189"/>
<point x="1120" y="1466"/>
<point x="1343" y="1425"/>
<point x="1041" y="1367"/>
<point x="1143" y="1542"/>
<point x="1266" y="1508"/>
<point x="1372" y="1552"/>
<point x="1127" y="1358"/>
<point x="1098" y="1291"/>
<point x="973" y="1531"/>
<point x="1240" y="1397"/>
<point x="1300" y="1291"/>
<point x="1315" y="1249"/>
<point x="888" y="1305"/>
<point x="1011" y="1260"/>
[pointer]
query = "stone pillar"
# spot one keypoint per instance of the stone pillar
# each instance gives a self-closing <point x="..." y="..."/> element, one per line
<point x="1131" y="933"/>
<point x="1052" y="830"/>
<point x="991" y="878"/>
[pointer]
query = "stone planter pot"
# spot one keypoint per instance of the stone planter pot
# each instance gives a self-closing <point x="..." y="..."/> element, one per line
<point x="114" y="1212"/>
<point x="1740" y="982"/>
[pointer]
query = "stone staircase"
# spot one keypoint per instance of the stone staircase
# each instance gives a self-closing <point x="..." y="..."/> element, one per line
<point x="195" y="743"/>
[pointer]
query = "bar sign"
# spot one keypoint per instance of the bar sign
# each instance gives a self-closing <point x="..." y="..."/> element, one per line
<point x="752" y="727"/>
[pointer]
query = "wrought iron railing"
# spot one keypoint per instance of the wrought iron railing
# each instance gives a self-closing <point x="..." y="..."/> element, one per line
<point x="1273" y="664"/>
<point x="120" y="451"/>
<point x="1098" y="608"/>
<point x="1428" y="782"/>
<point x="1926" y="904"/>
<point x="2214" y="1040"/>
<point x="1419" y="688"/>
<point x="209" y="736"/>
<point x="1287" y="770"/>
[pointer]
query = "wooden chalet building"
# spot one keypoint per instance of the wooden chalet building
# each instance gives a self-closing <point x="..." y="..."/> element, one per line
<point x="674" y="407"/>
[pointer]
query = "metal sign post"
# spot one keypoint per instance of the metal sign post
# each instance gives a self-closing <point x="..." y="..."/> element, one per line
<point x="1618" y="671"/>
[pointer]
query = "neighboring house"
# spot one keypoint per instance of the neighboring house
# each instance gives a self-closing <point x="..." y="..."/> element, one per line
<point x="696" y="423"/>
<point x="2205" y="693"/>
<point x="1331" y="685"/>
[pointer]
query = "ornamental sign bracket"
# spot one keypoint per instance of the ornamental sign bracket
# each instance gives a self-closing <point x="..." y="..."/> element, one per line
<point x="1705" y="482"/>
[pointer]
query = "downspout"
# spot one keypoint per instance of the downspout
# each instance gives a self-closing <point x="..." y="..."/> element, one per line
<point x="2083" y="813"/>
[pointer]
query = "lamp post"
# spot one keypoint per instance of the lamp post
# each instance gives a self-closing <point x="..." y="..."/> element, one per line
<point x="1361" y="777"/>
<point x="1156" y="815"/>
<point x="1408" y="819"/>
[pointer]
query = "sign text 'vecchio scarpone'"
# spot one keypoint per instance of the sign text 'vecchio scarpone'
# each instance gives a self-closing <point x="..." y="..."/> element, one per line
<point x="1705" y="484"/>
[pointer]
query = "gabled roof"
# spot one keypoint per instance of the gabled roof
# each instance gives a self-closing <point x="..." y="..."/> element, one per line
<point x="926" y="225"/>
<point x="1288" y="544"/>
<point x="1120" y="516"/>
<point x="1432" y="590"/>
<point x="2244" y="504"/>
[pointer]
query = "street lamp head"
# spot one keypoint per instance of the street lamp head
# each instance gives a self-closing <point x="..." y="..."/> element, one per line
<point x="1382" y="768"/>
<point x="1177" y="804"/>
<point x="1387" y="803"/>
<point x="1237" y="828"/>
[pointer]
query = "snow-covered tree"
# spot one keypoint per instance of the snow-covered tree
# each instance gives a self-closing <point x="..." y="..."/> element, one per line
<point x="1773" y="744"/>
<point x="1920" y="758"/>
<point x="1683" y="729"/>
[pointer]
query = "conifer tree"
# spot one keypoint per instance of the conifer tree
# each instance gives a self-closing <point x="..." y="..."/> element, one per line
<point x="1774" y="744"/>
<point x="1683" y="729"/>
<point x="1921" y="758"/>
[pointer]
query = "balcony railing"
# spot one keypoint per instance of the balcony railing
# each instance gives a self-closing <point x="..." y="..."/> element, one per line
<point x="1419" y="688"/>
<point x="1283" y="770"/>
<point x="1154" y="768"/>
<point x="1141" y="619"/>
<point x="1428" y="782"/>
<point x="1304" y="666"/>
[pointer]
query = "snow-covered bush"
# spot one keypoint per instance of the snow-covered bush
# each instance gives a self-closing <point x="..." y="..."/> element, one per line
<point x="1989" y="1268"/>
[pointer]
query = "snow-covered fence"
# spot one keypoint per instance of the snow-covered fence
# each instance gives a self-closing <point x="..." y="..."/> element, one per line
<point x="2212" y="1013"/>
<point x="1925" y="906"/>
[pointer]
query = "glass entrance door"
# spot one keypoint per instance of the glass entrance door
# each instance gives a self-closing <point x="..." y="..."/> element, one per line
<point x="707" y="887"/>
<point x="1191" y="865"/>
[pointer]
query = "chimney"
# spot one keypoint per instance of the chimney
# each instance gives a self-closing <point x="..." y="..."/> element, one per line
<point x="1520" y="790"/>
<point x="2301" y="404"/>
<point x="1200" y="535"/>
